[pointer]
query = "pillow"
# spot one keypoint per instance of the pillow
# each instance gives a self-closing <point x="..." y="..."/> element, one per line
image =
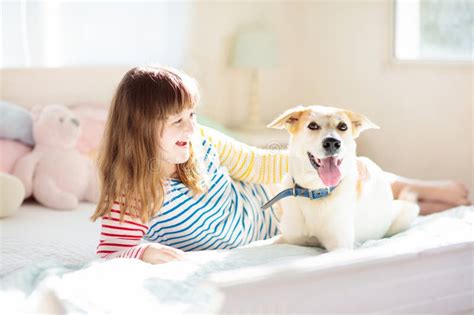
<point x="10" y="152"/>
<point x="15" y="123"/>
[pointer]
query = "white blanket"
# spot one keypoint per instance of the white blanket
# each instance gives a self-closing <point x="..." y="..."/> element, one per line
<point x="124" y="285"/>
<point x="36" y="234"/>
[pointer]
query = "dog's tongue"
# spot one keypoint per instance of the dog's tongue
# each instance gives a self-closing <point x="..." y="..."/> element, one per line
<point x="329" y="171"/>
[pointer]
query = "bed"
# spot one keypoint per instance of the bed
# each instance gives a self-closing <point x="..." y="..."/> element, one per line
<point x="48" y="265"/>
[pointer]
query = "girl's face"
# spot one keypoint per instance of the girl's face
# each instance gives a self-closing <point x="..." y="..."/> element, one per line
<point x="177" y="133"/>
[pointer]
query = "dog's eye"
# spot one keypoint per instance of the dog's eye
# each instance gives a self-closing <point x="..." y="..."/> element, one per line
<point x="342" y="126"/>
<point x="313" y="126"/>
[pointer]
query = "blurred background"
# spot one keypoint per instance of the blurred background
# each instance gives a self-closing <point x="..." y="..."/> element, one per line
<point x="407" y="65"/>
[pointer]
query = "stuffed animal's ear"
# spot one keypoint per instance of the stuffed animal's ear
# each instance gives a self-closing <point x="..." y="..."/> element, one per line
<point x="360" y="123"/>
<point x="288" y="118"/>
<point x="36" y="111"/>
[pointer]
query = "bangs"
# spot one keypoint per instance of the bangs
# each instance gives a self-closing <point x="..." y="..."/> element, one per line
<point x="164" y="92"/>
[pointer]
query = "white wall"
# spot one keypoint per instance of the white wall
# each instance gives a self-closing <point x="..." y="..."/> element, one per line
<point x="331" y="52"/>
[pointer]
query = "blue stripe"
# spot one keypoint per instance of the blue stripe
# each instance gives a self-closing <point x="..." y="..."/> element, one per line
<point x="163" y="213"/>
<point x="269" y="233"/>
<point x="234" y="218"/>
<point x="184" y="210"/>
<point x="215" y="233"/>
<point x="235" y="226"/>
<point x="250" y="231"/>
<point x="207" y="153"/>
<point x="248" y="237"/>
<point x="271" y="213"/>
<point x="230" y="232"/>
<point x="192" y="215"/>
<point x="209" y="167"/>
<point x="218" y="210"/>
<point x="208" y="234"/>
<point x="191" y="227"/>
<point x="236" y="238"/>
<point x="195" y="229"/>
<point x="262" y="224"/>
<point x="172" y="199"/>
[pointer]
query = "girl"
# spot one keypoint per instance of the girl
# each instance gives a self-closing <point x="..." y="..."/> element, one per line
<point x="181" y="186"/>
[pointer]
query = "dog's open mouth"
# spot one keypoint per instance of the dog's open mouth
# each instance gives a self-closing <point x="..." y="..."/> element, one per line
<point x="328" y="169"/>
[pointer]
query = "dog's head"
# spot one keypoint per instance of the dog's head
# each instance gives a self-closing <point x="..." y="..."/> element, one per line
<point x="323" y="140"/>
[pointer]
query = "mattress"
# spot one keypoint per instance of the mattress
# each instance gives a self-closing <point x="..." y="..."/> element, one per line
<point x="431" y="263"/>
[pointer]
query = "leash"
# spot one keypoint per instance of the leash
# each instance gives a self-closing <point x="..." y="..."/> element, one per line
<point x="299" y="191"/>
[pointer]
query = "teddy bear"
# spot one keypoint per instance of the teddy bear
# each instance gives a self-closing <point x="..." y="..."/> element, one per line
<point x="54" y="172"/>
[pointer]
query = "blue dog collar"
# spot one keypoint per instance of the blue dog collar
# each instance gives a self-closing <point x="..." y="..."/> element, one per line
<point x="299" y="191"/>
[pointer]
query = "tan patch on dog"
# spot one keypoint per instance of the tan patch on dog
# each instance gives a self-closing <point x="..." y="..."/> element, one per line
<point x="303" y="118"/>
<point x="363" y="176"/>
<point x="290" y="119"/>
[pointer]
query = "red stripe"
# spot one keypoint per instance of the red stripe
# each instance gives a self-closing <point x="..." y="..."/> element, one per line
<point x="122" y="228"/>
<point x="138" y="252"/>
<point x="141" y="251"/>
<point x="132" y="252"/>
<point x="126" y="253"/>
<point x="116" y="244"/>
<point x="106" y="251"/>
<point x="126" y="221"/>
<point x="121" y="235"/>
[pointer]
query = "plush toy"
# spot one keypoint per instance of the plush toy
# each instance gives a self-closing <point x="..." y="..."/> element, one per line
<point x="12" y="194"/>
<point x="55" y="173"/>
<point x="11" y="151"/>
<point x="15" y="123"/>
<point x="92" y="117"/>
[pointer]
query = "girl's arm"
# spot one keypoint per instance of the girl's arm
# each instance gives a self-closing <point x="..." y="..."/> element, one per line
<point x="245" y="162"/>
<point x="122" y="240"/>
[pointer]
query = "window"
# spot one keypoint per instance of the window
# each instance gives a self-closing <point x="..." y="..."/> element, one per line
<point x="59" y="33"/>
<point x="434" y="29"/>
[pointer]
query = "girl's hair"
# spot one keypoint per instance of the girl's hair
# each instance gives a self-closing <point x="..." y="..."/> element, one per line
<point x="129" y="162"/>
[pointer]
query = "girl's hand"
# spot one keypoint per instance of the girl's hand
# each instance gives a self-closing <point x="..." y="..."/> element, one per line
<point x="159" y="254"/>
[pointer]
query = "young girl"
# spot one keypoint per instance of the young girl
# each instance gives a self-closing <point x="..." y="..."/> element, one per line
<point x="181" y="186"/>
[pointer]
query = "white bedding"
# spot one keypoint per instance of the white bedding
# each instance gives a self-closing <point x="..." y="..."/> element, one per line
<point x="37" y="234"/>
<point x="72" y="284"/>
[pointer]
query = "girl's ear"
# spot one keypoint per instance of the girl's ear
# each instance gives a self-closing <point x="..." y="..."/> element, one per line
<point x="359" y="123"/>
<point x="288" y="118"/>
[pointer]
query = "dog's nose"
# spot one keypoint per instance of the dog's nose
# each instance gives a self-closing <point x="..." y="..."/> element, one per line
<point x="331" y="145"/>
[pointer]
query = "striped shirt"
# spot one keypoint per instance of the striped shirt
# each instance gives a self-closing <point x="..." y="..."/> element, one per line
<point x="228" y="215"/>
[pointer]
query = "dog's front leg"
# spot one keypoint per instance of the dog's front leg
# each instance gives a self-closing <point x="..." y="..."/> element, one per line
<point x="338" y="236"/>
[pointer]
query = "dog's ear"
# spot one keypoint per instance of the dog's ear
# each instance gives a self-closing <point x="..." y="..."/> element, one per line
<point x="360" y="123"/>
<point x="288" y="119"/>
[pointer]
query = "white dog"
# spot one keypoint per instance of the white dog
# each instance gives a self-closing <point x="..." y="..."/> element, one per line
<point x="322" y="159"/>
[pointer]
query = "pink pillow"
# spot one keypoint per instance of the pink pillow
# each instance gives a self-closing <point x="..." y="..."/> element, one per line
<point x="10" y="152"/>
<point x="92" y="118"/>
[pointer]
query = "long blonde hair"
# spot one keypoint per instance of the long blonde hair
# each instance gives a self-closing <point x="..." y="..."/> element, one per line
<point x="129" y="161"/>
